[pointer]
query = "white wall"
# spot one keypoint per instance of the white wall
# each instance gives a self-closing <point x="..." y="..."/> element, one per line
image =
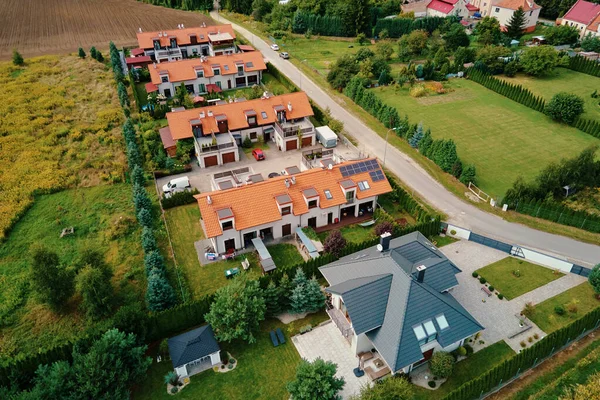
<point x="361" y="343"/>
<point x="222" y="79"/>
<point x="545" y="260"/>
<point x="503" y="16"/>
<point x="461" y="233"/>
<point x="181" y="371"/>
<point x="215" y="358"/>
<point x="582" y="28"/>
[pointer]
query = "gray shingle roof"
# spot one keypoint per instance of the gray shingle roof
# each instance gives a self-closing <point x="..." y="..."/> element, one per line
<point x="192" y="345"/>
<point x="361" y="279"/>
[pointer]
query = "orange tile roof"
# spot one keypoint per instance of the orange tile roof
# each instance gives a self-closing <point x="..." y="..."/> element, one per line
<point x="146" y="39"/>
<point x="185" y="70"/>
<point x="254" y="204"/>
<point x="593" y="26"/>
<point x="179" y="121"/>
<point x="515" y="4"/>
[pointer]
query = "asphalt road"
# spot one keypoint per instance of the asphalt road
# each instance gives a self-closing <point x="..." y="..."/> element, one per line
<point x="459" y="211"/>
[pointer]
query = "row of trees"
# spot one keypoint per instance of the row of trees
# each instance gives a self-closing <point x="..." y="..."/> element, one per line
<point x="398" y="27"/>
<point x="582" y="64"/>
<point x="189" y="5"/>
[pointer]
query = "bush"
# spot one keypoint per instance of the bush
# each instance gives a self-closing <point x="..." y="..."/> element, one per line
<point x="530" y="339"/>
<point x="247" y="143"/>
<point x="469" y="349"/>
<point x="560" y="310"/>
<point x="172" y="378"/>
<point x="334" y="243"/>
<point x="17" y="58"/>
<point x="511" y="69"/>
<point x="305" y="328"/>
<point x="179" y="199"/>
<point x="572" y="307"/>
<point x="441" y="364"/>
<point x="462" y="351"/>
<point x="564" y="107"/>
<point x="482" y="280"/>
<point x="500" y="296"/>
<point x="475" y="274"/>
<point x="536" y="336"/>
<point x="453" y="232"/>
<point x="174" y="389"/>
<point x="384" y="227"/>
<point x="491" y="288"/>
<point x="431" y="384"/>
<point x="523" y="344"/>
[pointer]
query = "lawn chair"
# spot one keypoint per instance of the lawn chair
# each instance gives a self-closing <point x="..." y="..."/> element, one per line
<point x="274" y="339"/>
<point x="280" y="336"/>
<point x="245" y="264"/>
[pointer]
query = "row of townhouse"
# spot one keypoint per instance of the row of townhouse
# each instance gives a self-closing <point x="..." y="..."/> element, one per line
<point x="207" y="74"/>
<point x="219" y="129"/>
<point x="180" y="43"/>
<point x="583" y="15"/>
<point x="276" y="207"/>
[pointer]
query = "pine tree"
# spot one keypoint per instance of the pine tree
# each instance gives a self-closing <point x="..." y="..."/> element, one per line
<point x="300" y="278"/>
<point x="141" y="199"/>
<point x="159" y="295"/>
<point x="148" y="240"/>
<point x="93" y="53"/>
<point x="17" y="58"/>
<point x="298" y="300"/>
<point x="145" y="217"/>
<point x="81" y="53"/>
<point x="272" y="300"/>
<point x="285" y="291"/>
<point x="516" y="24"/>
<point x="315" y="299"/>
<point x="137" y="176"/>
<point x="99" y="56"/>
<point x="417" y="136"/>
<point x="154" y="262"/>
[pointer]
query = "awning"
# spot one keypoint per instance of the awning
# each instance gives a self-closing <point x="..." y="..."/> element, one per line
<point x="138" y="60"/>
<point x="268" y="130"/>
<point x="310" y="246"/>
<point x="245" y="47"/>
<point x="212" y="88"/>
<point x="151" y="87"/>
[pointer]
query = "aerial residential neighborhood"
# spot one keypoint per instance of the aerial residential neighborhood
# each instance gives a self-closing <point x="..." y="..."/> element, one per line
<point x="348" y="200"/>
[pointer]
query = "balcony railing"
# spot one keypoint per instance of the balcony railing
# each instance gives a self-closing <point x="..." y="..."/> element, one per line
<point x="221" y="46"/>
<point x="350" y="201"/>
<point x="166" y="53"/>
<point x="341" y="322"/>
<point x="217" y="147"/>
<point x="290" y="131"/>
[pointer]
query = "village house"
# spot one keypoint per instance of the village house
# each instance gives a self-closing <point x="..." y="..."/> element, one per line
<point x="208" y="74"/>
<point x="180" y="43"/>
<point x="276" y="207"/>
<point x="503" y="10"/>
<point x="218" y="130"/>
<point x="585" y="16"/>
<point x="445" y="8"/>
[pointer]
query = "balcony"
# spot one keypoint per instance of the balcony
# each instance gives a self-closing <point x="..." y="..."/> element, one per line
<point x="168" y="53"/>
<point x="288" y="129"/>
<point x="215" y="143"/>
<point x="341" y="322"/>
<point x="221" y="46"/>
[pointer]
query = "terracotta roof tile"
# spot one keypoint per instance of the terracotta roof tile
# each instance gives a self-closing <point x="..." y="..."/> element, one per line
<point x="583" y="12"/>
<point x="185" y="70"/>
<point x="441" y="6"/>
<point x="515" y="4"/>
<point x="256" y="204"/>
<point x="179" y="121"/>
<point x="145" y="39"/>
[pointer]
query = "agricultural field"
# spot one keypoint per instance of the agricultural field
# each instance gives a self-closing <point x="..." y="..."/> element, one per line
<point x="563" y="80"/>
<point x="103" y="220"/>
<point x="502" y="138"/>
<point x="60" y="128"/>
<point x="39" y="27"/>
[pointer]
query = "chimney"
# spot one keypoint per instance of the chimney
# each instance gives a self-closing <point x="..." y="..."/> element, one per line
<point x="384" y="241"/>
<point x="290" y="106"/>
<point x="208" y="200"/>
<point x="293" y="179"/>
<point x="210" y="113"/>
<point x="421" y="273"/>
<point x="287" y="183"/>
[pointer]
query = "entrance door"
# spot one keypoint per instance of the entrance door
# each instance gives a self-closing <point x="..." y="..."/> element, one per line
<point x="229" y="245"/>
<point x="291" y="145"/>
<point x="167" y="93"/>
<point x="312" y="222"/>
<point x="330" y="218"/>
<point x="427" y="355"/>
<point x="229" y="84"/>
<point x="267" y="136"/>
<point x="228" y="157"/>
<point x="248" y="238"/>
<point x="286" y="230"/>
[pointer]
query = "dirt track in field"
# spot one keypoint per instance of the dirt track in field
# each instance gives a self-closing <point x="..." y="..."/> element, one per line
<point x="39" y="27"/>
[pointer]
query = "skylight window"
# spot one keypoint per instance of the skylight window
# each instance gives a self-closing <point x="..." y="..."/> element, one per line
<point x="363" y="185"/>
<point x="263" y="114"/>
<point x="328" y="195"/>
<point x="419" y="332"/>
<point x="226" y="67"/>
<point x="442" y="322"/>
<point x="429" y="327"/>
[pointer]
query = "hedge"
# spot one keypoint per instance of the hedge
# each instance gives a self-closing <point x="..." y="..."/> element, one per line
<point x="583" y="65"/>
<point x="396" y="27"/>
<point x="326" y="25"/>
<point x="526" y="359"/>
<point x="559" y="214"/>
<point x="179" y="199"/>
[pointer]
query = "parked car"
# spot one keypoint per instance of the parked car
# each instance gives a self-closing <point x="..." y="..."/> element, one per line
<point x="275" y="47"/>
<point x="258" y="154"/>
<point x="177" y="184"/>
<point x="284" y="55"/>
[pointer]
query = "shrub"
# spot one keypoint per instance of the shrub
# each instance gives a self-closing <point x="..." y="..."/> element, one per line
<point x="475" y="274"/>
<point x="523" y="344"/>
<point x="517" y="273"/>
<point x="528" y="309"/>
<point x="247" y="143"/>
<point x="536" y="336"/>
<point x="305" y="328"/>
<point x="431" y="384"/>
<point x="174" y="389"/>
<point x="334" y="243"/>
<point x="453" y="232"/>
<point x="491" y="288"/>
<point x="172" y="378"/>
<point x="441" y="364"/>
<point x="232" y="361"/>
<point x="572" y="307"/>
<point x="469" y="349"/>
<point x="179" y="199"/>
<point x="462" y="351"/>
<point x="530" y="339"/>
<point x="384" y="227"/>
<point x="482" y="280"/>
<point x="500" y="296"/>
<point x="560" y="310"/>
<point x="511" y="69"/>
<point x="418" y="91"/>
<point x="564" y="107"/>
<point x="17" y="58"/>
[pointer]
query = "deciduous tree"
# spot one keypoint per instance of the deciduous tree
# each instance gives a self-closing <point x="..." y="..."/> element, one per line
<point x="488" y="31"/>
<point x="539" y="60"/>
<point x="96" y="290"/>
<point x="456" y="37"/>
<point x="334" y="243"/>
<point x="52" y="282"/>
<point x="316" y="380"/>
<point x="564" y="107"/>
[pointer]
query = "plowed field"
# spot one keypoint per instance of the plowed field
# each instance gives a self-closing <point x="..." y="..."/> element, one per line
<point x="38" y="27"/>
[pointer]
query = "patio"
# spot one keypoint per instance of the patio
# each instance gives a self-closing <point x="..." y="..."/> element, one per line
<point x="345" y="221"/>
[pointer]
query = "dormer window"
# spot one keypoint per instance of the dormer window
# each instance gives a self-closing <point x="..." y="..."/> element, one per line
<point x="193" y="39"/>
<point x="156" y="44"/>
<point x="173" y="43"/>
<point x="240" y="69"/>
<point x="312" y="197"/>
<point x="199" y="73"/>
<point x="164" y="76"/>
<point x="284" y="202"/>
<point x="313" y="203"/>
<point x="216" y="70"/>
<point x="227" y="225"/>
<point x="350" y="196"/>
<point x="226" y="219"/>
<point x="250" y="117"/>
<point x="286" y="210"/>
<point x="196" y="128"/>
<point x="425" y="332"/>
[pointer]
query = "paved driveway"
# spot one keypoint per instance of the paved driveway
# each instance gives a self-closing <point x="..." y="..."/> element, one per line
<point x="327" y="342"/>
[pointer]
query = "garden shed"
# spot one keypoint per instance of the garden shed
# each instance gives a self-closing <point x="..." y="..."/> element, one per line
<point x="194" y="351"/>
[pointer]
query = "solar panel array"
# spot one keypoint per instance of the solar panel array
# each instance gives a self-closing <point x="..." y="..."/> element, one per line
<point x="357" y="168"/>
<point x="377" y="175"/>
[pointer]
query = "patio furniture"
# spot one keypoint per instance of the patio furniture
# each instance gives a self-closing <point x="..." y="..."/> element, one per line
<point x="230" y="273"/>
<point x="245" y="264"/>
<point x="378" y="363"/>
<point x="280" y="336"/>
<point x="368" y="223"/>
<point x="374" y="375"/>
<point x="211" y="256"/>
<point x="228" y="256"/>
<point x="486" y="290"/>
<point x="274" y="339"/>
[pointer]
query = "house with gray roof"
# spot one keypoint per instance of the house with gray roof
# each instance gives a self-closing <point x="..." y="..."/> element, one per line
<point x="194" y="351"/>
<point x="396" y="298"/>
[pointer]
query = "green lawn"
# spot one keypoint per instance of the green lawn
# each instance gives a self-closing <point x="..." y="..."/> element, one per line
<point x="500" y="276"/>
<point x="502" y="138"/>
<point x="273" y="85"/>
<point x="582" y="296"/>
<point x="185" y="229"/>
<point x="394" y="209"/>
<point x="441" y="241"/>
<point x="353" y="233"/>
<point x="285" y="255"/>
<point x="470" y="368"/>
<point x="103" y="220"/>
<point x="564" y="80"/>
<point x="255" y="145"/>
<point x="262" y="371"/>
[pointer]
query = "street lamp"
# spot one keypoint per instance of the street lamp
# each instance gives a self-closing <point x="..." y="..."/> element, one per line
<point x="386" y="143"/>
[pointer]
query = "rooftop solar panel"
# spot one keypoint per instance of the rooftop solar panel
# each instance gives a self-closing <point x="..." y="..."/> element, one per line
<point x="357" y="168"/>
<point x="377" y="175"/>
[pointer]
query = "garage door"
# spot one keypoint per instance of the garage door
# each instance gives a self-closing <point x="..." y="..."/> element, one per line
<point x="307" y="141"/>
<point x="291" y="145"/>
<point x="210" y="161"/>
<point x="228" y="157"/>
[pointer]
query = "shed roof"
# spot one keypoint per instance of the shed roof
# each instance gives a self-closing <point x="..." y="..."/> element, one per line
<point x="193" y="345"/>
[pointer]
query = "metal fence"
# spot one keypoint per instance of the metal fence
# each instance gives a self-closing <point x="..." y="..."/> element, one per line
<point x="474" y="237"/>
<point x="579" y="270"/>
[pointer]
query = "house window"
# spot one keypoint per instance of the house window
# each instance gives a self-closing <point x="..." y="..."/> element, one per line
<point x="441" y="321"/>
<point x="312" y="204"/>
<point x="195" y="52"/>
<point x="420" y="334"/>
<point x="202" y="88"/>
<point x="497" y="9"/>
<point x="164" y="79"/>
<point x="252" y="135"/>
<point x="263" y="115"/>
<point x="530" y="13"/>
<point x="240" y="69"/>
<point x="350" y="195"/>
<point x="226" y="67"/>
<point x="173" y="43"/>
<point x="199" y="74"/>
<point x="363" y="185"/>
<point x="227" y="225"/>
<point x="286" y="210"/>
<point x="328" y="195"/>
<point x="252" y="121"/>
<point x="430" y="329"/>
<point x="216" y="71"/>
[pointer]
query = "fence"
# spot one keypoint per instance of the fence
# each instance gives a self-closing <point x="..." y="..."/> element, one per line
<point x="495" y="244"/>
<point x="560" y="214"/>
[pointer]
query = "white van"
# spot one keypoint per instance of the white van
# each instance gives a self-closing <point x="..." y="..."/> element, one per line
<point x="326" y="136"/>
<point x="177" y="184"/>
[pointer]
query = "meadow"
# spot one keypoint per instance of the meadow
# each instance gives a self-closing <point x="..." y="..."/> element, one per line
<point x="502" y="138"/>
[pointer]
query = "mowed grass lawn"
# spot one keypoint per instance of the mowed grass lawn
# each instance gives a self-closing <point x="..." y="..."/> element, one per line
<point x="502" y="138"/>
<point x="500" y="276"/>
<point x="467" y="369"/>
<point x="184" y="228"/>
<point x="580" y="299"/>
<point x="563" y="80"/>
<point x="285" y="255"/>
<point x="353" y="233"/>
<point x="262" y="371"/>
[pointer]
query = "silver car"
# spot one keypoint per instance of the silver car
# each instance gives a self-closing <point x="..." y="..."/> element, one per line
<point x="284" y="55"/>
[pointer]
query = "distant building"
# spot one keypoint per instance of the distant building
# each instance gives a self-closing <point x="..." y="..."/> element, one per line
<point x="585" y="16"/>
<point x="503" y="10"/>
<point x="445" y="8"/>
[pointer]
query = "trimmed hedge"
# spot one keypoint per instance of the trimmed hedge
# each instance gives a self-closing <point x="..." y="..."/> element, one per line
<point x="583" y="65"/>
<point x="559" y="214"/>
<point x="326" y="25"/>
<point x="179" y="199"/>
<point x="188" y="5"/>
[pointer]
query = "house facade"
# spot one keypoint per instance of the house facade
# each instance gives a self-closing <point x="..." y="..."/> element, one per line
<point x="445" y="8"/>
<point x="585" y="16"/>
<point x="396" y="298"/>
<point x="503" y="10"/>
<point x="276" y="207"/>
<point x="194" y="351"/>
<point x="181" y="43"/>
<point x="227" y="72"/>
<point x="218" y="130"/>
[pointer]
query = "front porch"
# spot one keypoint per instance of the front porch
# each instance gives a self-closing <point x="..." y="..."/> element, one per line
<point x="196" y="367"/>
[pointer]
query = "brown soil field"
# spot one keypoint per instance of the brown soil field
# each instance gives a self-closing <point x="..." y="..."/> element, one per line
<point x="39" y="27"/>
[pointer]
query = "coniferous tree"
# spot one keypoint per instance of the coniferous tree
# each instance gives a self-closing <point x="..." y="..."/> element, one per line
<point x="17" y="58"/>
<point x="81" y="53"/>
<point x="417" y="136"/>
<point x="516" y="24"/>
<point x="285" y="291"/>
<point x="145" y="217"/>
<point x="315" y="299"/>
<point x="272" y="300"/>
<point x="148" y="240"/>
<point x="159" y="295"/>
<point x="153" y="261"/>
<point x="93" y="53"/>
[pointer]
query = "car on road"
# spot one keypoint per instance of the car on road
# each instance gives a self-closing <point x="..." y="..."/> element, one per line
<point x="258" y="154"/>
<point x="275" y="47"/>
<point x="284" y="55"/>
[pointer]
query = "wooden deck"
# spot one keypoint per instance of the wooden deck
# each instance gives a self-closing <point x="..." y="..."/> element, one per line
<point x="345" y="222"/>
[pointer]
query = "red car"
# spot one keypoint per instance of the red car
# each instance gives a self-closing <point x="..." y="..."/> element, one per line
<point x="258" y="154"/>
